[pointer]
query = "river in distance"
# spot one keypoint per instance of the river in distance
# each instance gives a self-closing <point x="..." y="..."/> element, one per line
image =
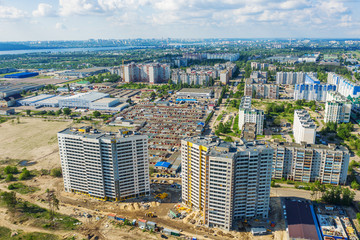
<point x="64" y="50"/>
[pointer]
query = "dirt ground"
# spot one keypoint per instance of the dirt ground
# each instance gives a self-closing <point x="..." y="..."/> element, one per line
<point x="35" y="140"/>
<point x="76" y="205"/>
<point x="32" y="139"/>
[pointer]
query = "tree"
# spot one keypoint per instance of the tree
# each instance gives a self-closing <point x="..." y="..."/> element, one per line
<point x="56" y="172"/>
<point x="25" y="174"/>
<point x="11" y="169"/>
<point x="96" y="114"/>
<point x="53" y="202"/>
<point x="272" y="183"/>
<point x="67" y="111"/>
<point x="28" y="112"/>
<point x="355" y="185"/>
<point x="58" y="112"/>
<point x="10" y="200"/>
<point x="9" y="178"/>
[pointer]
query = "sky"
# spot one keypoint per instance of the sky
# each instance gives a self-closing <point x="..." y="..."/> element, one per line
<point x="39" y="20"/>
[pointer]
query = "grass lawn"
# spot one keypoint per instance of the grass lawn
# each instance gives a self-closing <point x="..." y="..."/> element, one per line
<point x="258" y="137"/>
<point x="279" y="137"/>
<point x="219" y="117"/>
<point x="236" y="123"/>
<point x="5" y="234"/>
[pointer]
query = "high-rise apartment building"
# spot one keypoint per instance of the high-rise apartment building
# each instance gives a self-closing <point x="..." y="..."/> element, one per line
<point x="226" y="181"/>
<point x="309" y="163"/>
<point x="292" y="78"/>
<point x="337" y="108"/>
<point x="106" y="166"/>
<point x="152" y="72"/>
<point x="250" y="115"/>
<point x="304" y="128"/>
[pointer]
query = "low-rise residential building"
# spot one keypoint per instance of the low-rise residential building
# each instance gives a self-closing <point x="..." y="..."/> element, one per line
<point x="304" y="128"/>
<point x="226" y="182"/>
<point x="105" y="166"/>
<point x="337" y="108"/>
<point x="250" y="115"/>
<point x="310" y="162"/>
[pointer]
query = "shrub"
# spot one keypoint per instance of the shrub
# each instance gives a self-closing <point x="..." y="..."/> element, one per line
<point x="25" y="174"/>
<point x="10" y="169"/>
<point x="9" y="178"/>
<point x="56" y="172"/>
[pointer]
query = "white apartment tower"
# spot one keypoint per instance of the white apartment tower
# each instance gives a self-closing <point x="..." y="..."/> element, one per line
<point x="304" y="128"/>
<point x="224" y="181"/>
<point x="250" y="115"/>
<point x="337" y="108"/>
<point x="105" y="166"/>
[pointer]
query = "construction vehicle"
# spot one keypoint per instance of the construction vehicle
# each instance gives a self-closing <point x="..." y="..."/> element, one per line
<point x="161" y="195"/>
<point x="149" y="214"/>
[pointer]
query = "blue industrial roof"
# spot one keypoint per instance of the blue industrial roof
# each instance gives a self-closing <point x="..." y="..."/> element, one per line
<point x="162" y="164"/>
<point x="22" y="75"/>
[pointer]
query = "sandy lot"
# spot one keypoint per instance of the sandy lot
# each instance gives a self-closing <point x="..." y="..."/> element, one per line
<point x="32" y="139"/>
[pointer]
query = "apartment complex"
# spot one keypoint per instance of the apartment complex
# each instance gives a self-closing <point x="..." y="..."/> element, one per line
<point x="200" y="75"/>
<point x="105" y="166"/>
<point x="292" y="78"/>
<point x="152" y="72"/>
<point x="304" y="128"/>
<point x="344" y="86"/>
<point x="313" y="92"/>
<point x="258" y="91"/>
<point x="200" y="56"/>
<point x="259" y="66"/>
<point x="337" y="108"/>
<point x="309" y="163"/>
<point x="250" y="115"/>
<point x="226" y="181"/>
<point x="258" y="77"/>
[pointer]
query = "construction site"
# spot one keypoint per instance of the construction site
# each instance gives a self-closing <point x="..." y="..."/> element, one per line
<point x="165" y="124"/>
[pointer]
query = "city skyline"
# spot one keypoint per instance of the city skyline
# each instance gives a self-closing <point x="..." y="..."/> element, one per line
<point x="121" y="19"/>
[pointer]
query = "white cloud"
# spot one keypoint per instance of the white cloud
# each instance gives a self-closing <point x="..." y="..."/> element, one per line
<point x="44" y="10"/>
<point x="11" y="13"/>
<point x="78" y="7"/>
<point x="60" y="26"/>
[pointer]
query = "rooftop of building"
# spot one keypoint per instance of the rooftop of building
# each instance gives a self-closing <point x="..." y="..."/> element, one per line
<point x="38" y="97"/>
<point x="195" y="90"/>
<point x="105" y="100"/>
<point x="92" y="133"/>
<point x="90" y="96"/>
<point x="219" y="148"/>
<point x="305" y="119"/>
<point x="300" y="220"/>
<point x="330" y="146"/>
<point x="245" y="102"/>
<point x="89" y="70"/>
